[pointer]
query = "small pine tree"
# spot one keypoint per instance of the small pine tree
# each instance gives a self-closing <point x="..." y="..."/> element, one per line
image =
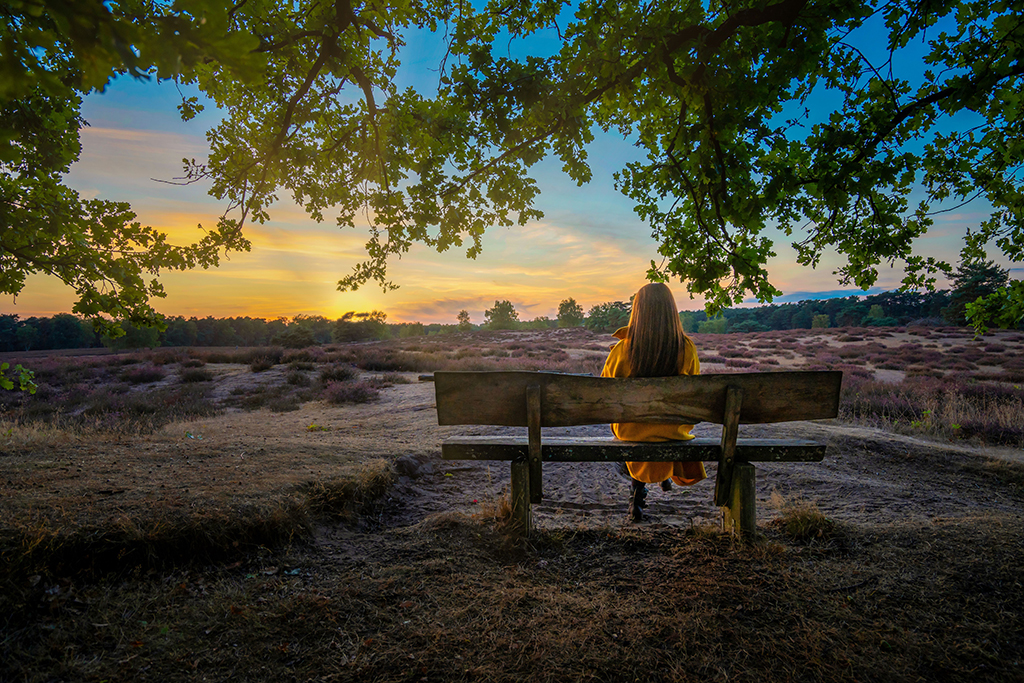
<point x="820" y="321"/>
<point x="463" y="319"/>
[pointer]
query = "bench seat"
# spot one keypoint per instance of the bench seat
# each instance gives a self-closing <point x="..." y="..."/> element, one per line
<point x="610" y="449"/>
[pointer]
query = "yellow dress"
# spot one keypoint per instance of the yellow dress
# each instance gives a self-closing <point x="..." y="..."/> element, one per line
<point x="682" y="473"/>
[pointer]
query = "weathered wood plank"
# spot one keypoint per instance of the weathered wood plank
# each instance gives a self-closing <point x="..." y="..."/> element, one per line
<point x="533" y="432"/>
<point x="521" y="513"/>
<point x="730" y="430"/>
<point x="499" y="398"/>
<point x="740" y="514"/>
<point x="610" y="449"/>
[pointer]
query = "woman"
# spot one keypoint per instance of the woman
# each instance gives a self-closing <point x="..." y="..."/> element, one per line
<point x="654" y="345"/>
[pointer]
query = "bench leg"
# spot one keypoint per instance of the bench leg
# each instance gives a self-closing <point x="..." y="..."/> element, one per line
<point x="521" y="514"/>
<point x="740" y="515"/>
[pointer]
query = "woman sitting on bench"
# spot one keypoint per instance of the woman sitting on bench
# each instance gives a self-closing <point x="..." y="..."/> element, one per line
<point x="654" y="345"/>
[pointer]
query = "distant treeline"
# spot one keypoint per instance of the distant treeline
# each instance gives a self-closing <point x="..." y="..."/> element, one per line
<point x="888" y="309"/>
<point x="66" y="331"/>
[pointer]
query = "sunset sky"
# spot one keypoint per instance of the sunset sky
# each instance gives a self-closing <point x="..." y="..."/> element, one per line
<point x="589" y="246"/>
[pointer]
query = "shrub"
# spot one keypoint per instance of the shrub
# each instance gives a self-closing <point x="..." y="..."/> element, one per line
<point x="193" y="363"/>
<point x="338" y="373"/>
<point x="261" y="364"/>
<point x="298" y="378"/>
<point x="166" y="357"/>
<point x="143" y="374"/>
<point x="189" y="375"/>
<point x="350" y="392"/>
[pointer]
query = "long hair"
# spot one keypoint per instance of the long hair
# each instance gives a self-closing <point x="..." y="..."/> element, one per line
<point x="655" y="334"/>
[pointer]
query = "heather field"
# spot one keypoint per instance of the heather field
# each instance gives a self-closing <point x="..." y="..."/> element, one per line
<point x="272" y="514"/>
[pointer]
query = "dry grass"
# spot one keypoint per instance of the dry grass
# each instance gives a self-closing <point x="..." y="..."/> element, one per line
<point x="447" y="600"/>
<point x="801" y="520"/>
<point x="280" y="566"/>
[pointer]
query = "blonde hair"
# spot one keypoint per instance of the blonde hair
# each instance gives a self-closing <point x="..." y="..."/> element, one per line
<point x="655" y="334"/>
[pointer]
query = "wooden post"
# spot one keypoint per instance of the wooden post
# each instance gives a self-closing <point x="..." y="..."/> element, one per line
<point x="730" y="429"/>
<point x="533" y="428"/>
<point x="740" y="515"/>
<point x="521" y="514"/>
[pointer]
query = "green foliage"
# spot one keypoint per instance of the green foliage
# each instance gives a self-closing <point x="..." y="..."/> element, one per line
<point x="973" y="279"/>
<point x="1003" y="308"/>
<point x="539" y="323"/>
<point x="55" y="51"/>
<point x="294" y="338"/>
<point x="463" y="319"/>
<point x="748" y="325"/>
<point x="23" y="377"/>
<point x="411" y="330"/>
<point x="820" y="321"/>
<point x="360" y="326"/>
<point x="133" y="337"/>
<point x="701" y="87"/>
<point x="502" y="316"/>
<point x="713" y="326"/>
<point x="689" y="320"/>
<point x="608" y="317"/>
<point x="570" y="313"/>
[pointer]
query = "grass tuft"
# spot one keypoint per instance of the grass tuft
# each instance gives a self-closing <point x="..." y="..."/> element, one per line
<point x="802" y="521"/>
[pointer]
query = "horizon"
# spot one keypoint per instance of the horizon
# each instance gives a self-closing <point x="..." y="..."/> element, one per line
<point x="795" y="298"/>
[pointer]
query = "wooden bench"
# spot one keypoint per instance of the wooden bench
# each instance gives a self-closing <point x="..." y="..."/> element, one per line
<point x="539" y="399"/>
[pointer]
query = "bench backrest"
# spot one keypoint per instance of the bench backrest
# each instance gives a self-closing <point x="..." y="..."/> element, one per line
<point x="499" y="398"/>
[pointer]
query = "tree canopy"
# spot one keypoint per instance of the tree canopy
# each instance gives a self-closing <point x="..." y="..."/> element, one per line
<point x="570" y="313"/>
<point x="751" y="114"/>
<point x="503" y="316"/>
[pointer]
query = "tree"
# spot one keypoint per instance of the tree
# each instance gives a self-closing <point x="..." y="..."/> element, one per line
<point x="608" y="317"/>
<point x="690" y="319"/>
<point x="748" y="325"/>
<point x="463" y="319"/>
<point x="67" y="332"/>
<point x="820" y="321"/>
<point x="725" y="100"/>
<point x="406" y="330"/>
<point x="502" y="316"/>
<point x="973" y="279"/>
<point x="180" y="332"/>
<point x="713" y="326"/>
<point x="360" y="326"/>
<point x="1003" y="308"/>
<point x="570" y="313"/>
<point x="55" y="51"/>
<point x="133" y="337"/>
<point x="541" y="322"/>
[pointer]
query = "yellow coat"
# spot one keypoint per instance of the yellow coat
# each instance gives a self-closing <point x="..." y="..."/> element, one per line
<point x="682" y="473"/>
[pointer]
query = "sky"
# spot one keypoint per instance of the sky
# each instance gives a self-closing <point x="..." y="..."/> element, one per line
<point x="589" y="246"/>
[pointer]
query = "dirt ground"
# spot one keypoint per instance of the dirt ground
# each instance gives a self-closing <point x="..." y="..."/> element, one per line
<point x="922" y="581"/>
<point x="868" y="477"/>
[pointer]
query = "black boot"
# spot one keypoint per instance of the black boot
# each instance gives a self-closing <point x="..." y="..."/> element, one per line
<point x="637" y="499"/>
